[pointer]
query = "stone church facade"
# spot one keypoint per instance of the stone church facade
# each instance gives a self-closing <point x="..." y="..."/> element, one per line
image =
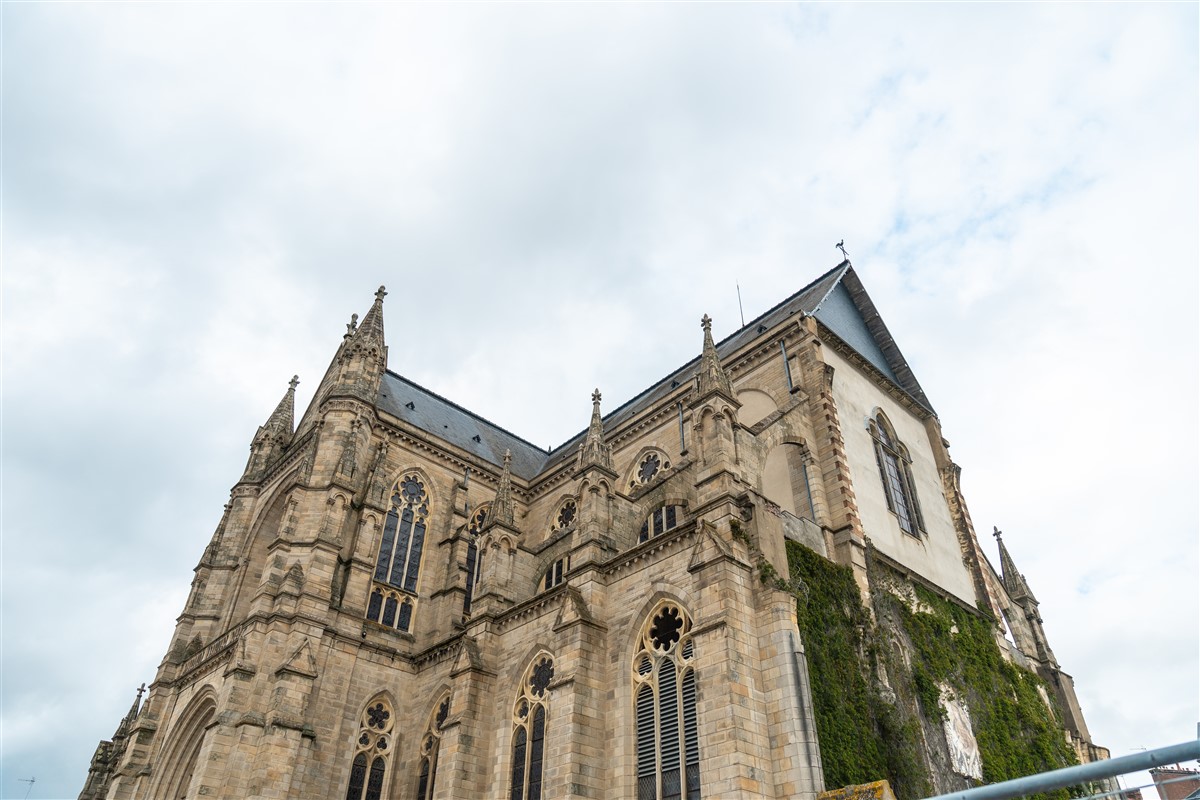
<point x="403" y="600"/>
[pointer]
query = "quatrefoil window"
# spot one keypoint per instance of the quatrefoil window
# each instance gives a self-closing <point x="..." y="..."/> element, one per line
<point x="377" y="716"/>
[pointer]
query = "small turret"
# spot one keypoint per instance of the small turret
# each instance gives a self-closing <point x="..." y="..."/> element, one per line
<point x="593" y="451"/>
<point x="274" y="436"/>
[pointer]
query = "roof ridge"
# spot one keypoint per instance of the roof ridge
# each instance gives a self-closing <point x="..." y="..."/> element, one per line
<point x="696" y="360"/>
<point x="468" y="412"/>
<point x="844" y="267"/>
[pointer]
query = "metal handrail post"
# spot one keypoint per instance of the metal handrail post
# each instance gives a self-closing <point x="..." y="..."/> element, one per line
<point x="1069" y="776"/>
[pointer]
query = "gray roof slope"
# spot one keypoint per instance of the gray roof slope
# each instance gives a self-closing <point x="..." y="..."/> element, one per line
<point x="435" y="414"/>
<point x="850" y="314"/>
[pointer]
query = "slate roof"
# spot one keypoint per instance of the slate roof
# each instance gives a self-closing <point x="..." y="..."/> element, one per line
<point x="454" y="424"/>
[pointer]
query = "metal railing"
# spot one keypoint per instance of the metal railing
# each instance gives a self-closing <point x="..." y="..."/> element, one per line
<point x="1082" y="774"/>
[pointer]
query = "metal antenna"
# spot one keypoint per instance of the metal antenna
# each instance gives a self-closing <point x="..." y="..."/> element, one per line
<point x="742" y="313"/>
<point x="31" y="782"/>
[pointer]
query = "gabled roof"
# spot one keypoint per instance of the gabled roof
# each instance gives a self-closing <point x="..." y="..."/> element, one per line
<point x="837" y="299"/>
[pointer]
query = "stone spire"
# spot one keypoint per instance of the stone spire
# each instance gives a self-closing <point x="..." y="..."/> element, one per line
<point x="501" y="509"/>
<point x="369" y="332"/>
<point x="711" y="377"/>
<point x="593" y="451"/>
<point x="274" y="436"/>
<point x="1014" y="581"/>
<point x="129" y="718"/>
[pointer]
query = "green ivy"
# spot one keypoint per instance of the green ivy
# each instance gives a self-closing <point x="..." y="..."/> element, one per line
<point x="866" y="736"/>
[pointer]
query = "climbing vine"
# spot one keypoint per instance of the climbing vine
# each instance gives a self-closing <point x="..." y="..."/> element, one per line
<point x="878" y="713"/>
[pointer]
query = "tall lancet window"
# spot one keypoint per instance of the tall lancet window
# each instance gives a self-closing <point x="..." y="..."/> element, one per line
<point x="373" y="751"/>
<point x="896" y="473"/>
<point x="430" y="744"/>
<point x="529" y="730"/>
<point x="664" y="692"/>
<point x="474" y="555"/>
<point x="399" y="565"/>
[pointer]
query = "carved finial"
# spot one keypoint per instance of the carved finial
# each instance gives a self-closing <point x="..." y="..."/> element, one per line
<point x="141" y="691"/>
<point x="294" y="382"/>
<point x="352" y="325"/>
<point x="995" y="532"/>
<point x="380" y="294"/>
<point x="507" y="458"/>
<point x="706" y="323"/>
<point x="596" y="397"/>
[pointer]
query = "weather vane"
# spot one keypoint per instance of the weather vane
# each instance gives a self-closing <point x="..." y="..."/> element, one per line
<point x="842" y="246"/>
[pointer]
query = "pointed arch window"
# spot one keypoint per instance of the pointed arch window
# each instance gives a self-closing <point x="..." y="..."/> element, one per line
<point x="661" y="520"/>
<point x="529" y="731"/>
<point x="399" y="562"/>
<point x="896" y="473"/>
<point x="474" y="555"/>
<point x="373" y="751"/>
<point x="430" y="744"/>
<point x="664" y="690"/>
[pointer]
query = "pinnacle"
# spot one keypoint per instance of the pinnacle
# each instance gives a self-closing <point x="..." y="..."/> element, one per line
<point x="282" y="418"/>
<point x="501" y="509"/>
<point x="371" y="327"/>
<point x="593" y="451"/>
<point x="712" y="375"/>
<point x="1014" y="581"/>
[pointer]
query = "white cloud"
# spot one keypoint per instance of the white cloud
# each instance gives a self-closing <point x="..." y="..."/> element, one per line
<point x="197" y="197"/>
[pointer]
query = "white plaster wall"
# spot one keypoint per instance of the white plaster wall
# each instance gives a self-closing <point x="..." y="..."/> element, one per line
<point x="936" y="554"/>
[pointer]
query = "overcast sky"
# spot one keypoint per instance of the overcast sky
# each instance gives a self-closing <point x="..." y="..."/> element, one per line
<point x="197" y="197"/>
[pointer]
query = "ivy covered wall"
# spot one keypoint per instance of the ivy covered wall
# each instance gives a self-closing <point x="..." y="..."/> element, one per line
<point x="876" y="682"/>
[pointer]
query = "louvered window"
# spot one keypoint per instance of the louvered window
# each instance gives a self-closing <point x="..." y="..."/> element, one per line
<point x="373" y="746"/>
<point x="895" y="471"/>
<point x="665" y="722"/>
<point x="529" y="730"/>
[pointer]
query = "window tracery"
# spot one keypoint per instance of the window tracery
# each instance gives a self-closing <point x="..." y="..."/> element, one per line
<point x="649" y="467"/>
<point x="529" y="731"/>
<point x="398" y="567"/>
<point x="566" y="515"/>
<point x="896" y="473"/>
<point x="667" y="733"/>
<point x="373" y="751"/>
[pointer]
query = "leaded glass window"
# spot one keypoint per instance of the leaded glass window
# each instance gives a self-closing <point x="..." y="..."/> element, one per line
<point x="667" y="738"/>
<point x="398" y="568"/>
<point x="529" y="730"/>
<point x="373" y="751"/>
<point x="896" y="473"/>
<point x="390" y="607"/>
<point x="661" y="521"/>
<point x="555" y="572"/>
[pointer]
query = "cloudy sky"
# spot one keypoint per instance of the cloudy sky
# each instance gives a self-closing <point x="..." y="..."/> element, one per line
<point x="197" y="197"/>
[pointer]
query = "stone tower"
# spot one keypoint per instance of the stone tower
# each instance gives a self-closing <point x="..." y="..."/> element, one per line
<point x="403" y="599"/>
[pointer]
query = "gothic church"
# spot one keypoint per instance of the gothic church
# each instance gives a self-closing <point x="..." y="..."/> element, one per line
<point x="403" y="600"/>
